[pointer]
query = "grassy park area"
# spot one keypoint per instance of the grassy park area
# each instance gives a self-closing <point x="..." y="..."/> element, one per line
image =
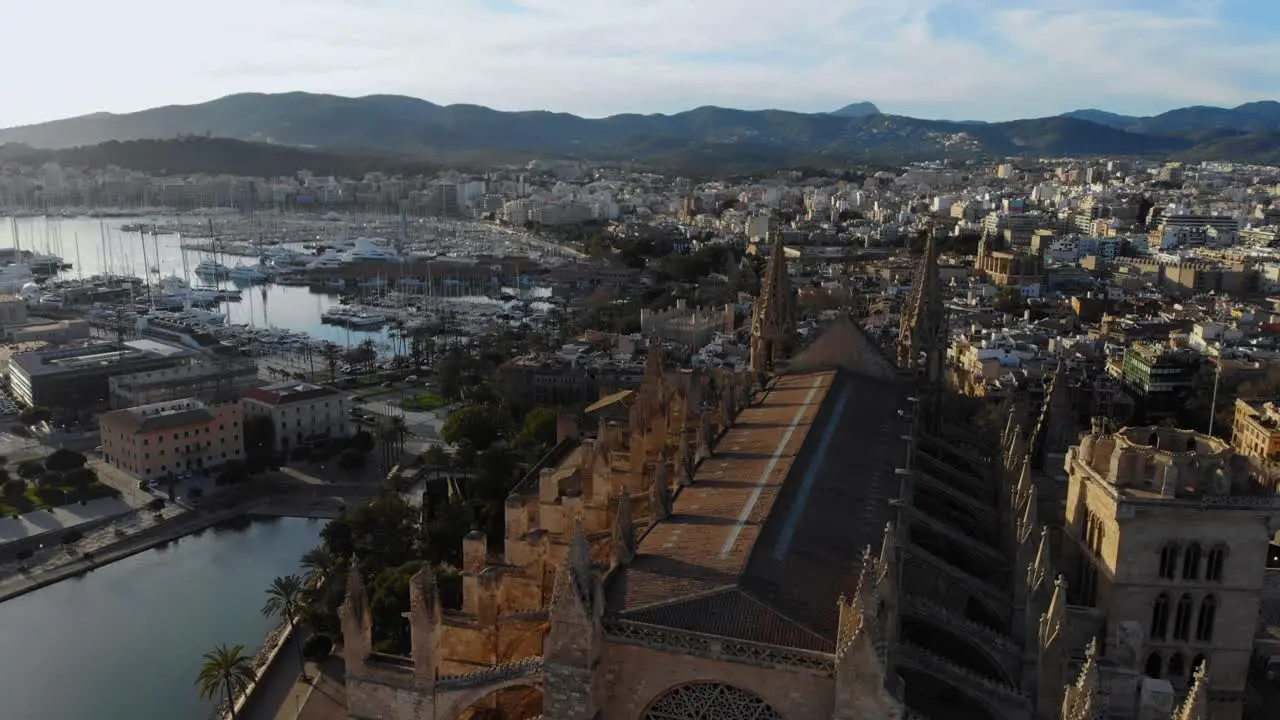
<point x="423" y="402"/>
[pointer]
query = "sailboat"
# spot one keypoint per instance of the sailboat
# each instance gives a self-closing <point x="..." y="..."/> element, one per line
<point x="16" y="276"/>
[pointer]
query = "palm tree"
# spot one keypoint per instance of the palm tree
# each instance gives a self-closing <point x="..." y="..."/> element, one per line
<point x="318" y="562"/>
<point x="391" y="435"/>
<point x="226" y="670"/>
<point x="285" y="599"/>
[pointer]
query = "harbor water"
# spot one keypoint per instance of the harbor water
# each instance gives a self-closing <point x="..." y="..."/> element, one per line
<point x="124" y="642"/>
<point x="95" y="246"/>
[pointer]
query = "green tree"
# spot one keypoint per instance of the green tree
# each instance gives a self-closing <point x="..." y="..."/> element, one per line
<point x="259" y="438"/>
<point x="63" y="460"/>
<point x="35" y="415"/>
<point x="332" y="355"/>
<point x="479" y="425"/>
<point x="539" y="430"/>
<point x="14" y="489"/>
<point x="285" y="600"/>
<point x="226" y="671"/>
<point x="388" y="601"/>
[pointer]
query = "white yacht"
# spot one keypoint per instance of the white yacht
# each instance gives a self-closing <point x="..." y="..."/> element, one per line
<point x="14" y="277"/>
<point x="211" y="268"/>
<point x="366" y="249"/>
<point x="43" y="260"/>
<point x="330" y="260"/>
<point x="249" y="273"/>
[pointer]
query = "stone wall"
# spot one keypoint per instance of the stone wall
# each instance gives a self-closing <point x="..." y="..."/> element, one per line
<point x="1270" y="611"/>
<point x="376" y="697"/>
<point x="635" y="676"/>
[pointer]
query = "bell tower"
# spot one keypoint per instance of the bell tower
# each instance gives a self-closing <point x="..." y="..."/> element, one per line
<point x="922" y="338"/>
<point x="773" y="321"/>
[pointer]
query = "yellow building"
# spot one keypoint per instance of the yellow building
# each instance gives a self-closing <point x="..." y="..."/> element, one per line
<point x="1255" y="432"/>
<point x="151" y="441"/>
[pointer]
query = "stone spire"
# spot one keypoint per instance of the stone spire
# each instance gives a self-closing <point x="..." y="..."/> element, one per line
<point x="773" y="316"/>
<point x="1021" y="490"/>
<point x="1017" y="449"/>
<point x="1060" y="432"/>
<point x="886" y="587"/>
<point x="356" y="618"/>
<point x="571" y="647"/>
<point x="654" y="365"/>
<point x="685" y="456"/>
<point x="1051" y="664"/>
<point x="425" y="614"/>
<point x="660" y="495"/>
<point x="702" y="448"/>
<point x="1029" y="521"/>
<point x="1038" y="570"/>
<point x="923" y="321"/>
<point x="861" y="691"/>
<point x="579" y="556"/>
<point x="1196" y="706"/>
<point x="1053" y="621"/>
<point x="1010" y="423"/>
<point x="1080" y="700"/>
<point x="624" y="531"/>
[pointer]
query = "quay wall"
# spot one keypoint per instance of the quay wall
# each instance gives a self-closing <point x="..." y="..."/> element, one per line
<point x="164" y="533"/>
<point x="9" y="551"/>
<point x="152" y="537"/>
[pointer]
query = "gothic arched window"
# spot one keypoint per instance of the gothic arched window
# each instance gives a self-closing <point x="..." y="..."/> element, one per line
<point x="1169" y="561"/>
<point x="1160" y="616"/>
<point x="709" y="701"/>
<point x="1191" y="562"/>
<point x="1204" y="624"/>
<point x="1182" y="618"/>
<point x="1213" y="564"/>
<point x="1177" y="666"/>
<point x="1153" y="665"/>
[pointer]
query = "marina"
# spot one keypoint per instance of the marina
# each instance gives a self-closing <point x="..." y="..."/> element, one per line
<point x="343" y="287"/>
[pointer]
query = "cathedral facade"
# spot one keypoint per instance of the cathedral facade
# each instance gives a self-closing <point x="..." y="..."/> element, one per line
<point x="805" y="541"/>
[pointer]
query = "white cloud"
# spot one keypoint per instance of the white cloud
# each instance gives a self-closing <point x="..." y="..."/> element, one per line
<point x="959" y="58"/>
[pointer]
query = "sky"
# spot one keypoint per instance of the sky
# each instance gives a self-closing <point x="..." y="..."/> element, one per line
<point x="953" y="59"/>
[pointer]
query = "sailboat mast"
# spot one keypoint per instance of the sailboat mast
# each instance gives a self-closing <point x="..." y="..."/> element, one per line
<point x="146" y="269"/>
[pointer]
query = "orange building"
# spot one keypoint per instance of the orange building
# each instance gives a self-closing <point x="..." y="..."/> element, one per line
<point x="151" y="441"/>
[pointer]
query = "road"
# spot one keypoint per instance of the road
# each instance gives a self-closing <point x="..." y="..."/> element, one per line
<point x="282" y="695"/>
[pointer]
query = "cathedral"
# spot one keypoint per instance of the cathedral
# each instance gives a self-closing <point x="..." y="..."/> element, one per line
<point x="808" y="540"/>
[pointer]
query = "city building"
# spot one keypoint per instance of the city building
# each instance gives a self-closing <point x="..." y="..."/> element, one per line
<point x="300" y="412"/>
<point x="572" y="376"/>
<point x="1165" y="543"/>
<point x="209" y="380"/>
<point x="1255" y="430"/>
<point x="163" y="439"/>
<point x="77" y="380"/>
<point x="1158" y="374"/>
<point x="1009" y="269"/>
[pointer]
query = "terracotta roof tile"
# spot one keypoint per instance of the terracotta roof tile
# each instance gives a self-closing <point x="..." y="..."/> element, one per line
<point x="770" y="533"/>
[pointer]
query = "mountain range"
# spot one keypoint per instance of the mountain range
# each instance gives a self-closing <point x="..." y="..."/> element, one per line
<point x="410" y="130"/>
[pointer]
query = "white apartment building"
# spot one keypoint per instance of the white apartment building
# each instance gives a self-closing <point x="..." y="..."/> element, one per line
<point x="299" y="412"/>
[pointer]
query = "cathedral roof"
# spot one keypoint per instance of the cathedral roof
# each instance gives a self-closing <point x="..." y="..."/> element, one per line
<point x="843" y="345"/>
<point x="768" y="536"/>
